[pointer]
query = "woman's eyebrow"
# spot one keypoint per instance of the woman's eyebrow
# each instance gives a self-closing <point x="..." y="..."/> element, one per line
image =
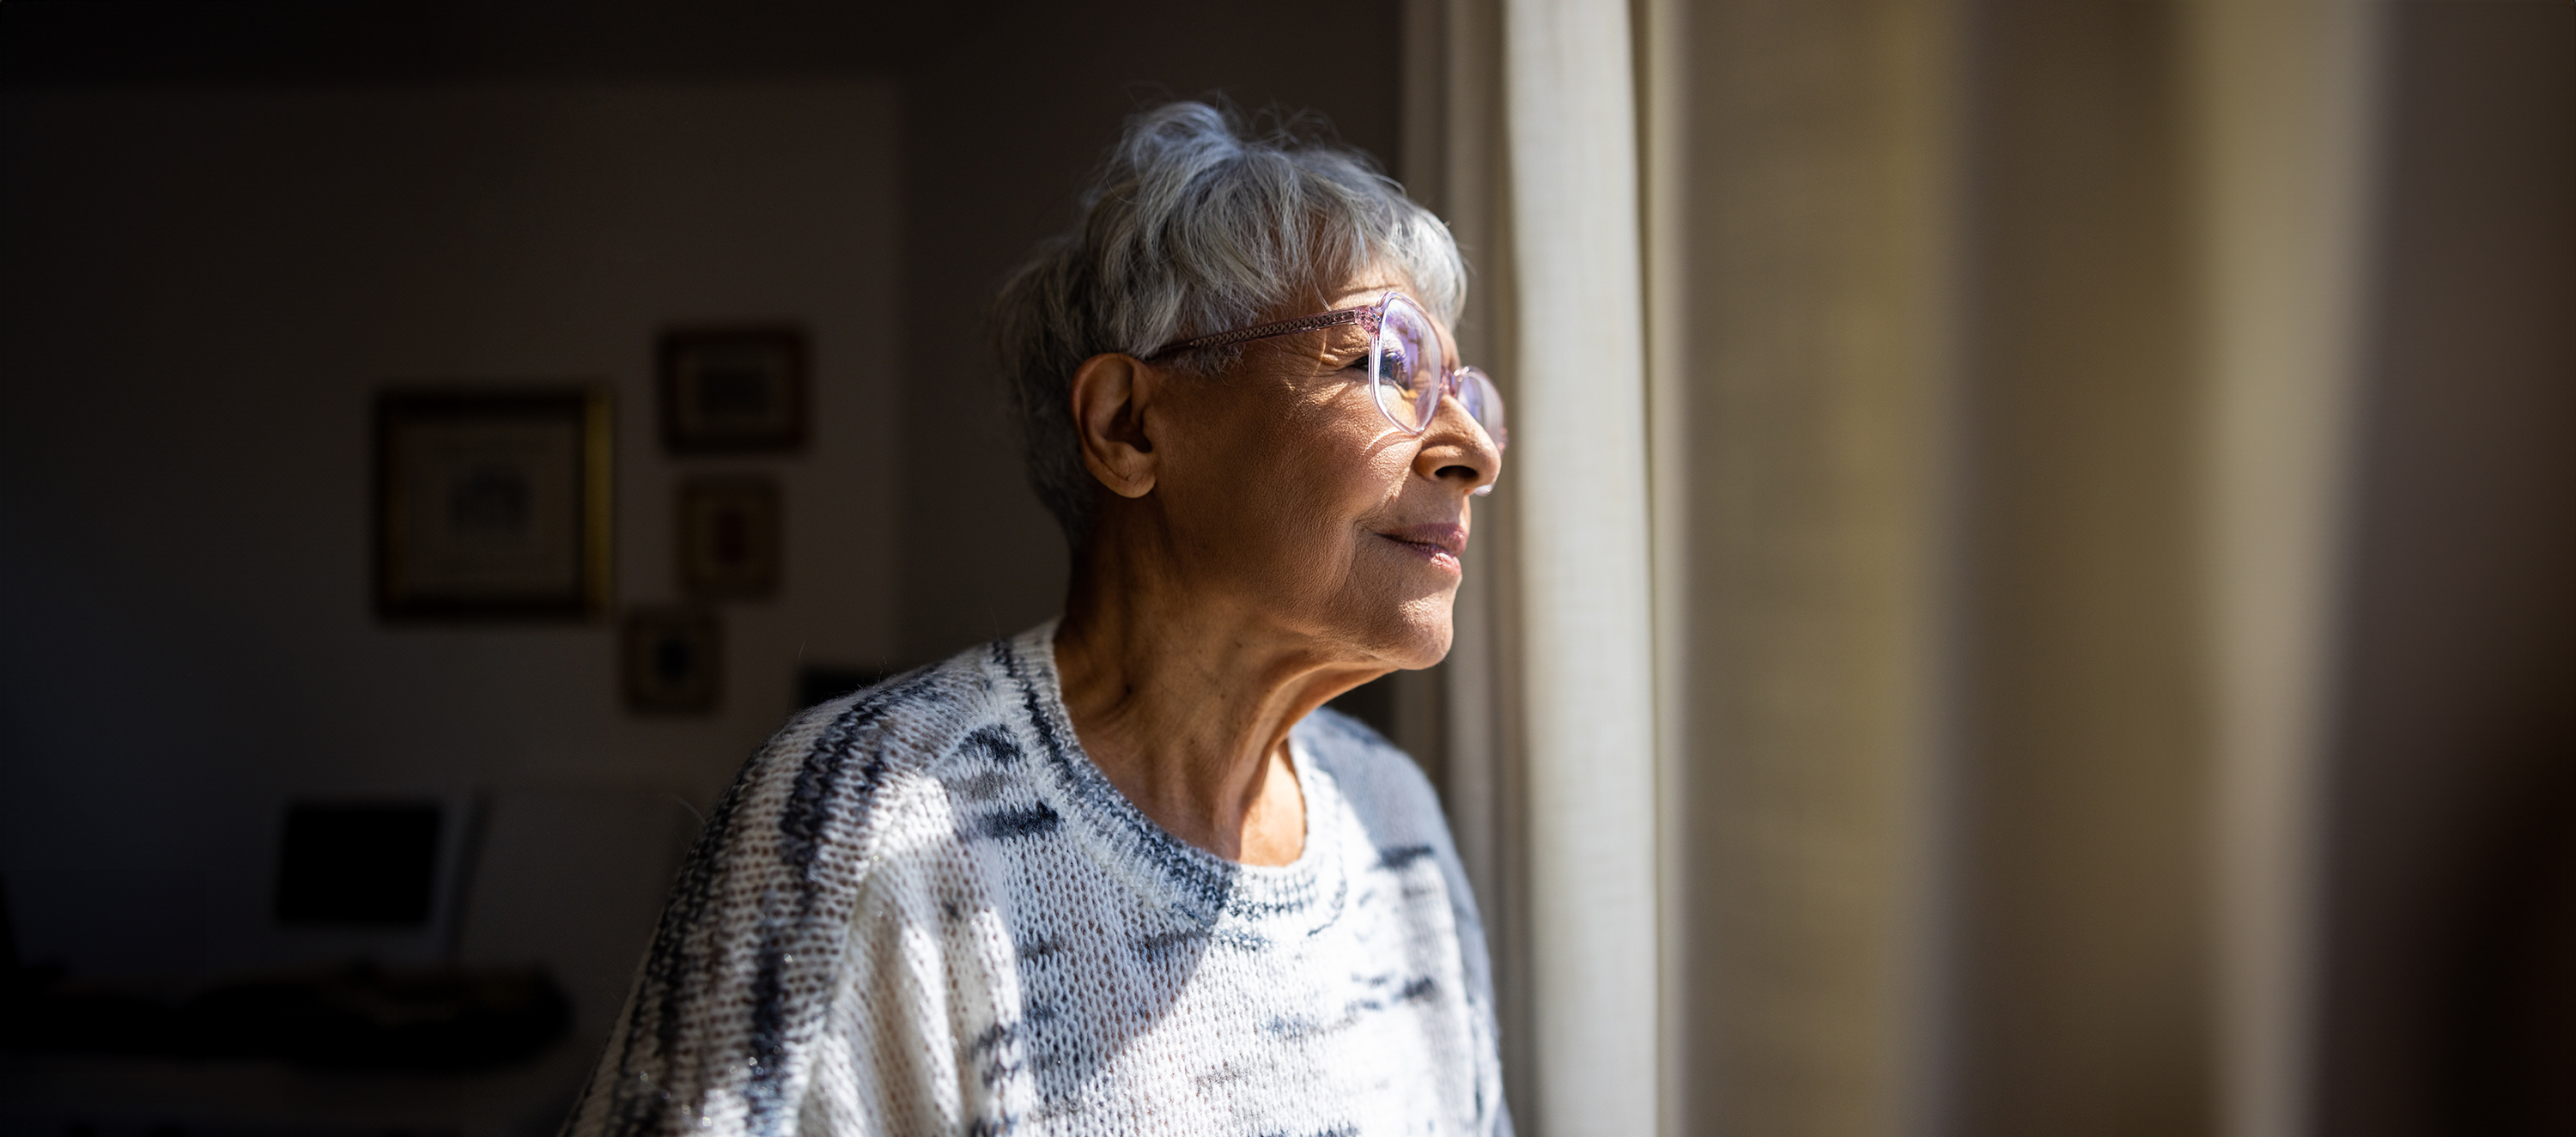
<point x="1337" y="340"/>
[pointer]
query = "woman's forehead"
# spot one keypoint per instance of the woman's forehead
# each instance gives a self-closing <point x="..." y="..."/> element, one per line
<point x="1366" y="290"/>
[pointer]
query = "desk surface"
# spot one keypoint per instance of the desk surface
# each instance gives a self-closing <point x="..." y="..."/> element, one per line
<point x="48" y="1095"/>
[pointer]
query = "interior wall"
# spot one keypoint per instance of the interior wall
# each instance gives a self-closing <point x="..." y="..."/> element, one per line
<point x="1007" y="106"/>
<point x="205" y="290"/>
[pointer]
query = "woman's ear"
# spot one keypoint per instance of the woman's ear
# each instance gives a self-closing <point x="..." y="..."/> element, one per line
<point x="1109" y="397"/>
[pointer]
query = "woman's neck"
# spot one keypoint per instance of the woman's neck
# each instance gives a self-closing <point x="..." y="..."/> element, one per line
<point x="1186" y="702"/>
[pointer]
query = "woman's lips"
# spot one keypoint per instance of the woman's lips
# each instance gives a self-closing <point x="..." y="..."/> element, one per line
<point x="1437" y="543"/>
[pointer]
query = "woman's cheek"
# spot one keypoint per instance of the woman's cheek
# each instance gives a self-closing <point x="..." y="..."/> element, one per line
<point x="1371" y="472"/>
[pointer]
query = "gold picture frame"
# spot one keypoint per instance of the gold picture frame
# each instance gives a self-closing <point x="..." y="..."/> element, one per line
<point x="493" y="504"/>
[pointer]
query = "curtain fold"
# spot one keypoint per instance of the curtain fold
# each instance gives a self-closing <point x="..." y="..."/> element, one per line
<point x="1887" y="692"/>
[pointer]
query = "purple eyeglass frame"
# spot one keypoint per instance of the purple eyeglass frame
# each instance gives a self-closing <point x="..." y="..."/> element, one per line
<point x="1370" y="318"/>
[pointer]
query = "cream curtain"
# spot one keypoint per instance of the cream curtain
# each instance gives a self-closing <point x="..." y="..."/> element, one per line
<point x="1885" y="700"/>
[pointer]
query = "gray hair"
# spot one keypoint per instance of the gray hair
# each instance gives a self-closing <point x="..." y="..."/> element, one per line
<point x="1193" y="226"/>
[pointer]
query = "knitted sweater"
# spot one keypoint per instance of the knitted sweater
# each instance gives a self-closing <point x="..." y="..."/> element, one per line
<point x="922" y="909"/>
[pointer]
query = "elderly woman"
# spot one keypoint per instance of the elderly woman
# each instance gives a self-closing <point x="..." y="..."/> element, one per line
<point x="1121" y="874"/>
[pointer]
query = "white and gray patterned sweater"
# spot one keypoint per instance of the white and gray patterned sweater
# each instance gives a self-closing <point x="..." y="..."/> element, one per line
<point x="922" y="909"/>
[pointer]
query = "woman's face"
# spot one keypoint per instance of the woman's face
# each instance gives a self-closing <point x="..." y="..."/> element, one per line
<point x="1284" y="488"/>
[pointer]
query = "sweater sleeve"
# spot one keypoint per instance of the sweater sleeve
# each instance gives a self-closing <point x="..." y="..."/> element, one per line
<point x="807" y="975"/>
<point x="921" y="1037"/>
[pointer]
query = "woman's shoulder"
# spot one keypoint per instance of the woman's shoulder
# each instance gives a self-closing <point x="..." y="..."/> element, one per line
<point x="1382" y="782"/>
<point x="760" y="918"/>
<point x="858" y="752"/>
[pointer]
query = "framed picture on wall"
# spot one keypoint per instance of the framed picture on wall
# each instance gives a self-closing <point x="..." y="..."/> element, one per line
<point x="492" y="504"/>
<point x="671" y="660"/>
<point x="731" y="536"/>
<point x="733" y="390"/>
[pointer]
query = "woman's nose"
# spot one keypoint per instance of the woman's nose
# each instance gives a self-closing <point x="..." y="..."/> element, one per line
<point x="1456" y="445"/>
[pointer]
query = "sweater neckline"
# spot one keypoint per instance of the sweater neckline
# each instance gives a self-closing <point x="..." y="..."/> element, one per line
<point x="1258" y="901"/>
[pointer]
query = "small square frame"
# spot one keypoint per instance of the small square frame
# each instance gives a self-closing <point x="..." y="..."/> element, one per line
<point x="734" y="390"/>
<point x="732" y="531"/>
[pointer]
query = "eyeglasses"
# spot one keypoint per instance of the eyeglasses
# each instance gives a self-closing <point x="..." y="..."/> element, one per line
<point x="1408" y="370"/>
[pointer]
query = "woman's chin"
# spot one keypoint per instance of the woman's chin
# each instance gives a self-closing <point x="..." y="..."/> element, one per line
<point x="1420" y="636"/>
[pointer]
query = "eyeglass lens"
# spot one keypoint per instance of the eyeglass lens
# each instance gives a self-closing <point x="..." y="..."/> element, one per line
<point x="1406" y="372"/>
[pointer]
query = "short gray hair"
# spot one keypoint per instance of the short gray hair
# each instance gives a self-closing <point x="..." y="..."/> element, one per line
<point x="1193" y="225"/>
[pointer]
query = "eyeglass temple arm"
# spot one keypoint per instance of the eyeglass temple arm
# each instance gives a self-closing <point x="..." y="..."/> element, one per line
<point x="1318" y="321"/>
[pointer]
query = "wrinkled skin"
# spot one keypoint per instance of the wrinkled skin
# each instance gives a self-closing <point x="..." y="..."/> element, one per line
<point x="1266" y="540"/>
